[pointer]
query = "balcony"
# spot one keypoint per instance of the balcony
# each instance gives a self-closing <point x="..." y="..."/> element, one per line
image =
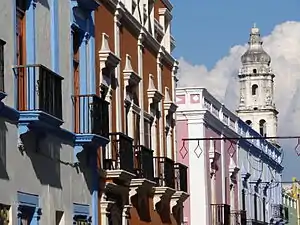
<point x="144" y="162"/>
<point x="164" y="177"/>
<point x="280" y="213"/>
<point x="220" y="214"/>
<point x="119" y="157"/>
<point x="165" y="172"/>
<point x="238" y="217"/>
<point x="91" y="120"/>
<point x="181" y="177"/>
<point x="39" y="92"/>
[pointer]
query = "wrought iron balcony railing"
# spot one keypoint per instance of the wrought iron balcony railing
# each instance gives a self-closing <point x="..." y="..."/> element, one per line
<point x="144" y="162"/>
<point x="277" y="211"/>
<point x="39" y="89"/>
<point x="238" y="217"/>
<point x="255" y="222"/>
<point x="164" y="172"/>
<point x="121" y="155"/>
<point x="91" y="115"/>
<point x="220" y="214"/>
<point x="181" y="177"/>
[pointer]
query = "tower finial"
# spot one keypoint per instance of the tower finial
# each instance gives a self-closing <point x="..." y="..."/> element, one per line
<point x="254" y="25"/>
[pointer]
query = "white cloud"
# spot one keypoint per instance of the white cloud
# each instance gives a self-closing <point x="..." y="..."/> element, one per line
<point x="283" y="45"/>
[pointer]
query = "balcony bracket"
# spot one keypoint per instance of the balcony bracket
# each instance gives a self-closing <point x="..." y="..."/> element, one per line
<point x="121" y="175"/>
<point x="162" y="195"/>
<point x="91" y="140"/>
<point x="39" y="122"/>
<point x="178" y="199"/>
<point x="112" y="189"/>
<point x="141" y="186"/>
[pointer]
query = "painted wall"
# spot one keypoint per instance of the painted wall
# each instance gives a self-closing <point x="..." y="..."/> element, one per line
<point x="261" y="160"/>
<point x="183" y="156"/>
<point x="57" y="184"/>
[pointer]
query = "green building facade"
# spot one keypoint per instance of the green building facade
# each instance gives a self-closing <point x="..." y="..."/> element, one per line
<point x="290" y="204"/>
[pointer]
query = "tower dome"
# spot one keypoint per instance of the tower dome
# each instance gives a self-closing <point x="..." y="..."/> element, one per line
<point x="255" y="53"/>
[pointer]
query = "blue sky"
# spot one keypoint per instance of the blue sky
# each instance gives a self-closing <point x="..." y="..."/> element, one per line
<point x="206" y="29"/>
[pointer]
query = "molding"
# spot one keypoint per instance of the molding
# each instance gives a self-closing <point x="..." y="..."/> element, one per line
<point x="131" y="78"/>
<point x="169" y="105"/>
<point x="166" y="13"/>
<point x="153" y="94"/>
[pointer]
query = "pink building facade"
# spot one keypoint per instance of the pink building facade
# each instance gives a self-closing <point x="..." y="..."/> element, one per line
<point x="212" y="164"/>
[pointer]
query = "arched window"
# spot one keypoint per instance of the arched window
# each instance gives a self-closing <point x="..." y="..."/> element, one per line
<point x="249" y="122"/>
<point x="262" y="127"/>
<point x="254" y="89"/>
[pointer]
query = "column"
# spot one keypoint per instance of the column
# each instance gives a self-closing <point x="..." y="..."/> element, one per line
<point x="108" y="98"/>
<point x="141" y="87"/>
<point x="199" y="170"/>
<point x="161" y="130"/>
<point x="223" y="165"/>
<point x="174" y="84"/>
<point x="105" y="211"/>
<point x="118" y="91"/>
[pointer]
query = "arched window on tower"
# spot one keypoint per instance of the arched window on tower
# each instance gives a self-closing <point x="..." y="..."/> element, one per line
<point x="249" y="122"/>
<point x="254" y="89"/>
<point x="262" y="128"/>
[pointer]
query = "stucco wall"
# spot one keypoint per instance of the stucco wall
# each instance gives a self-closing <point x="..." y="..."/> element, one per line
<point x="38" y="171"/>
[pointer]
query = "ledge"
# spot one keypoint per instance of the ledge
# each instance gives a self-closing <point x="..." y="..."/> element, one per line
<point x="122" y="175"/>
<point x="90" y="139"/>
<point x="141" y="185"/>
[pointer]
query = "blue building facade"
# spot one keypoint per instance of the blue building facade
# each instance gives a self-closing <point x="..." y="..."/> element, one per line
<point x="48" y="167"/>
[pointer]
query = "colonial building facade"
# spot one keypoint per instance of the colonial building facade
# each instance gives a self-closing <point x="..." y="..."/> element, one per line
<point x="232" y="180"/>
<point x="43" y="179"/>
<point x="136" y="79"/>
<point x="87" y="113"/>
<point x="213" y="167"/>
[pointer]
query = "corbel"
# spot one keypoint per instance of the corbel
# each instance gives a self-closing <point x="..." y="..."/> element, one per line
<point x="213" y="158"/>
<point x="233" y="170"/>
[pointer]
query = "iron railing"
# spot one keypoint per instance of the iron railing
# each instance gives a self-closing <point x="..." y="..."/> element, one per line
<point x="220" y="214"/>
<point x="238" y="217"/>
<point x="91" y="115"/>
<point x="180" y="177"/>
<point x="277" y="211"/>
<point x="255" y="222"/>
<point x="144" y="162"/>
<point x="39" y="89"/>
<point x="121" y="155"/>
<point x="164" y="172"/>
<point x="2" y="43"/>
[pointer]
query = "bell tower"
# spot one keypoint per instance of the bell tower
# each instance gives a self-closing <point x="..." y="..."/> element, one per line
<point x="256" y="105"/>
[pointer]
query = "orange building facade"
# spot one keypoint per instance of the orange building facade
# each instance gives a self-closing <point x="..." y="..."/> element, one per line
<point x="141" y="181"/>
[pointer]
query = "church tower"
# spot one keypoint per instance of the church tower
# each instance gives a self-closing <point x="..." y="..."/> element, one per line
<point x="256" y="106"/>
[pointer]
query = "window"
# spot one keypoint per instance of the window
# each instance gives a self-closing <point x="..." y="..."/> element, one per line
<point x="136" y="127"/>
<point x="254" y="70"/>
<point x="147" y="127"/>
<point x="20" y="51"/>
<point x="2" y="43"/>
<point x="59" y="218"/>
<point x="243" y="200"/>
<point x="249" y="122"/>
<point x="4" y="214"/>
<point x="262" y="127"/>
<point x="76" y="45"/>
<point x="254" y="89"/>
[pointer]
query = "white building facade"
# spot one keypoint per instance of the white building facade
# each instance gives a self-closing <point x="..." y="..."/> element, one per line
<point x="259" y="159"/>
